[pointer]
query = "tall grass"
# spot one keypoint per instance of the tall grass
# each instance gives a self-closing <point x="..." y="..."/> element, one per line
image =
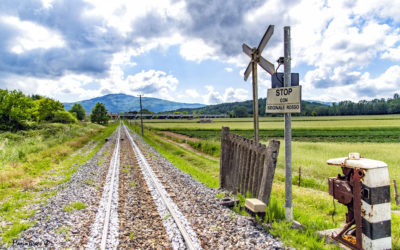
<point x="212" y="148"/>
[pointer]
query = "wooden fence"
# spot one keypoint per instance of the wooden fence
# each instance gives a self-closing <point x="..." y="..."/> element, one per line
<point x="247" y="166"/>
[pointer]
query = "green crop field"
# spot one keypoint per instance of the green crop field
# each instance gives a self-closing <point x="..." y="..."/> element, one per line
<point x="349" y="123"/>
<point x="315" y="140"/>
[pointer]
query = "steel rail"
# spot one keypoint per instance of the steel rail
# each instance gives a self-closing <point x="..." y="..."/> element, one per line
<point x="115" y="165"/>
<point x="182" y="229"/>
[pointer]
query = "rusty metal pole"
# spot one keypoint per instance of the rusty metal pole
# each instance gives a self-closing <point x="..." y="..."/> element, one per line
<point x="288" y="129"/>
<point x="254" y="57"/>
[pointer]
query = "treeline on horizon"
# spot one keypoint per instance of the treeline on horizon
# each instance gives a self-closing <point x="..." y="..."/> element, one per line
<point x="18" y="111"/>
<point x="363" y="107"/>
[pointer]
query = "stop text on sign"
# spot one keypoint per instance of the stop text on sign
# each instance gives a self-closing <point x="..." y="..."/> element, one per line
<point x="284" y="100"/>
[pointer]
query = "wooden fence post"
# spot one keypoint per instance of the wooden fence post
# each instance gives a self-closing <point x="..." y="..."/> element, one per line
<point x="396" y="193"/>
<point x="224" y="159"/>
<point x="299" y="176"/>
<point x="269" y="171"/>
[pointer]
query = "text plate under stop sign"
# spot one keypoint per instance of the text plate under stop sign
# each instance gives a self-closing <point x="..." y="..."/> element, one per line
<point x="284" y="100"/>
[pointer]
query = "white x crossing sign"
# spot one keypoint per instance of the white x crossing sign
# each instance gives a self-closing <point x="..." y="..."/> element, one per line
<point x="255" y="54"/>
<point x="257" y="59"/>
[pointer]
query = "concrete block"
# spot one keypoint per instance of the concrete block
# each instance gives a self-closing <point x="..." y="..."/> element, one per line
<point x="255" y="205"/>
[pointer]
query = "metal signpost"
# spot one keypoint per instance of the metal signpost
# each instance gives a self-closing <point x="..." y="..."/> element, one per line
<point x="286" y="100"/>
<point x="256" y="58"/>
<point x="288" y="128"/>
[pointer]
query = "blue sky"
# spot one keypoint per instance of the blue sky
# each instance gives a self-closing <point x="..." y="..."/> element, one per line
<point x="191" y="51"/>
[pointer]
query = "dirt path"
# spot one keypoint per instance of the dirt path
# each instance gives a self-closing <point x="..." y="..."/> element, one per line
<point x="179" y="136"/>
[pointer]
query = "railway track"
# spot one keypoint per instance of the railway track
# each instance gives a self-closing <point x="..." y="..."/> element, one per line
<point x="104" y="231"/>
<point x="136" y="199"/>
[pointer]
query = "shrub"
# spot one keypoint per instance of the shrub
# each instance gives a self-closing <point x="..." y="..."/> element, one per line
<point x="14" y="110"/>
<point x="64" y="117"/>
<point x="99" y="114"/>
<point x="78" y="109"/>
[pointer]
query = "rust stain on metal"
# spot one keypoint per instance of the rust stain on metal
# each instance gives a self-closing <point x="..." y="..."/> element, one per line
<point x="346" y="189"/>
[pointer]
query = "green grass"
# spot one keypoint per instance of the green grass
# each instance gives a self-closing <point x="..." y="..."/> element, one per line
<point x="330" y="129"/>
<point x="15" y="230"/>
<point x="76" y="205"/>
<point x="312" y="157"/>
<point x="208" y="147"/>
<point x="51" y="163"/>
<point x="268" y="123"/>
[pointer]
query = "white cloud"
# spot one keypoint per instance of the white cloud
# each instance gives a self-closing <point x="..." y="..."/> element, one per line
<point x="32" y="36"/>
<point x="364" y="88"/>
<point x="230" y="95"/>
<point x="392" y="54"/>
<point x="192" y="93"/>
<point x="228" y="69"/>
<point x="197" y="50"/>
<point x="120" y="14"/>
<point x="151" y="82"/>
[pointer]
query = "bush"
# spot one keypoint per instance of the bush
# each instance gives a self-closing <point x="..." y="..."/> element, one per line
<point x="47" y="108"/>
<point x="14" y="110"/>
<point x="64" y="117"/>
<point x="78" y="109"/>
<point x="99" y="114"/>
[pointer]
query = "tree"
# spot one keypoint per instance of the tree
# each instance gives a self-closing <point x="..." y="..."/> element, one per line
<point x="14" y="110"/>
<point x="240" y="111"/>
<point x="46" y="108"/>
<point x="78" y="109"/>
<point x="63" y="116"/>
<point x="99" y="114"/>
<point x="146" y="111"/>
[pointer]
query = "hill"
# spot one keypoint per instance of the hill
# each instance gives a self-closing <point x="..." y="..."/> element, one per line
<point x="123" y="103"/>
<point x="246" y="108"/>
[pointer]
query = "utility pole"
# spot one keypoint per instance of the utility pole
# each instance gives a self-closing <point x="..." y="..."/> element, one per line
<point x="141" y="113"/>
<point x="288" y="129"/>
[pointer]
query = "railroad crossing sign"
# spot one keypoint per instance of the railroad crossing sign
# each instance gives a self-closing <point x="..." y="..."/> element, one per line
<point x="256" y="58"/>
<point x="284" y="100"/>
<point x="255" y="54"/>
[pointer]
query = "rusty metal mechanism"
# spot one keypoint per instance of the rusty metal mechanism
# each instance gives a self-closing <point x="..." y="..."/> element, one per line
<point x="346" y="189"/>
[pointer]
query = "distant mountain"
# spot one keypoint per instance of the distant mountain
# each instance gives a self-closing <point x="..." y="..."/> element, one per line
<point x="123" y="103"/>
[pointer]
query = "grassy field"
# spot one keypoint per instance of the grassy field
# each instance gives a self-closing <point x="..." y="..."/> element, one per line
<point x="315" y="140"/>
<point x="343" y="122"/>
<point x="34" y="161"/>
<point x="328" y="129"/>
